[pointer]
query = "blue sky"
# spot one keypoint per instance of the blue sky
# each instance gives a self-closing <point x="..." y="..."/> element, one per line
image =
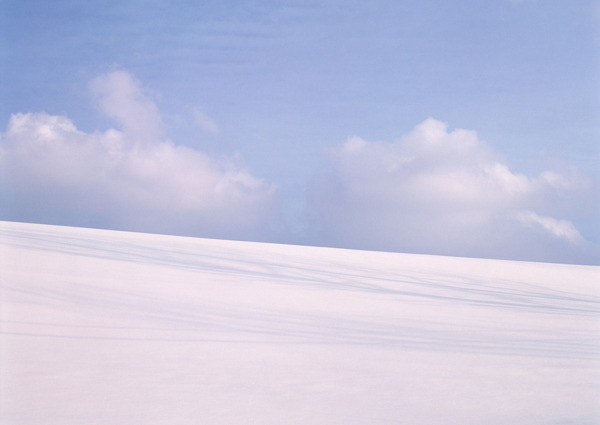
<point x="456" y="128"/>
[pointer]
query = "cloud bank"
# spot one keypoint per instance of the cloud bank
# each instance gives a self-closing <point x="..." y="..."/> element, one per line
<point x="446" y="192"/>
<point x="127" y="178"/>
<point x="432" y="191"/>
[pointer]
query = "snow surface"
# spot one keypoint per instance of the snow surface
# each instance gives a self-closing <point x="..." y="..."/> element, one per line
<point x="104" y="327"/>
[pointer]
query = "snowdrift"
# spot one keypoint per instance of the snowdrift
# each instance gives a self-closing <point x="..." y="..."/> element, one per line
<point x="104" y="327"/>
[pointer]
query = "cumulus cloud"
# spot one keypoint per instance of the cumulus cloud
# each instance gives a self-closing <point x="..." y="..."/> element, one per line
<point x="445" y="192"/>
<point x="127" y="178"/>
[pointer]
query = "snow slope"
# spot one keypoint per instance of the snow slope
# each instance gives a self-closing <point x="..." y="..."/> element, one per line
<point x="103" y="327"/>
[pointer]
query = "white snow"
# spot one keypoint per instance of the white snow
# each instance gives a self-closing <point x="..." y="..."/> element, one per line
<point x="104" y="327"/>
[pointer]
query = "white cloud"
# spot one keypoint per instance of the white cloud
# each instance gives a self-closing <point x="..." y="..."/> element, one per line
<point x="132" y="178"/>
<point x="444" y="192"/>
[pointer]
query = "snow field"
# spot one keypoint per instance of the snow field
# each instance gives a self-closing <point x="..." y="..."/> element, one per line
<point x="104" y="327"/>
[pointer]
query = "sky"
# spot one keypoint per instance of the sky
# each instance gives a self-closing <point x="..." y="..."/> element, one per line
<point x="462" y="128"/>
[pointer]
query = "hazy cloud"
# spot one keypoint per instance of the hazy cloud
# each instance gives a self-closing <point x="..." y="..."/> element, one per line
<point x="128" y="178"/>
<point x="119" y="96"/>
<point x="562" y="229"/>
<point x="205" y="122"/>
<point x="445" y="192"/>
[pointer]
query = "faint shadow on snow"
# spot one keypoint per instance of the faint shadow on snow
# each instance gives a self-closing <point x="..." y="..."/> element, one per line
<point x="245" y="292"/>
